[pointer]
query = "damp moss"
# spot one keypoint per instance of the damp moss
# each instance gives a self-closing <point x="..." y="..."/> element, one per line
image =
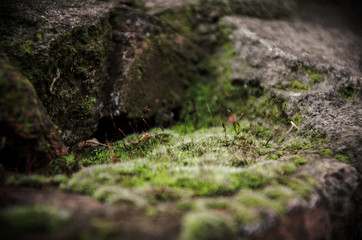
<point x="347" y="93"/>
<point x="41" y="219"/>
<point x="293" y="85"/>
<point x="315" y="77"/>
<point x="207" y="225"/>
<point x="35" y="180"/>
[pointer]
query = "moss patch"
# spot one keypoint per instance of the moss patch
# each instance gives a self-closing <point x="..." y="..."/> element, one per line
<point x="293" y="85"/>
<point x="39" y="219"/>
<point x="347" y="93"/>
<point x="207" y="225"/>
<point x="315" y="77"/>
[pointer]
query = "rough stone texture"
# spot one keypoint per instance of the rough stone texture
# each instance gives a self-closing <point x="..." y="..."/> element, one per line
<point x="88" y="60"/>
<point x="275" y="52"/>
<point x="263" y="8"/>
<point x="28" y="137"/>
<point x="319" y="41"/>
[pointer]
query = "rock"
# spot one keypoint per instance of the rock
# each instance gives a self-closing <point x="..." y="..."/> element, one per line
<point x="94" y="63"/>
<point x="263" y="8"/>
<point x="29" y="140"/>
<point x="313" y="63"/>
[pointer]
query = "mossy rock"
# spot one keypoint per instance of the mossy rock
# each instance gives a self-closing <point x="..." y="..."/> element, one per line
<point x="30" y="140"/>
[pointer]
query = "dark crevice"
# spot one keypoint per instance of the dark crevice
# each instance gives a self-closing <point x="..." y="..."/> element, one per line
<point x="114" y="128"/>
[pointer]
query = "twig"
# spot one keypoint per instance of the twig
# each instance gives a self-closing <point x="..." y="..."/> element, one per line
<point x="54" y="80"/>
<point x="293" y="126"/>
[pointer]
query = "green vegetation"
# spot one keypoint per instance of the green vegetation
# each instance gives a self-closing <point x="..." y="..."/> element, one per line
<point x="347" y="93"/>
<point x="207" y="225"/>
<point x="31" y="219"/>
<point x="293" y="85"/>
<point x="315" y="77"/>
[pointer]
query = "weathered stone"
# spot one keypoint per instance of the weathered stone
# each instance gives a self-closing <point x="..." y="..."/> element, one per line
<point x="264" y="8"/>
<point x="313" y="64"/>
<point x="90" y="60"/>
<point x="312" y="61"/>
<point x="28" y="138"/>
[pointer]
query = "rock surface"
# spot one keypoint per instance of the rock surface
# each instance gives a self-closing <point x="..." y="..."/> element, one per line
<point x="91" y="61"/>
<point x="322" y="53"/>
<point x="28" y="137"/>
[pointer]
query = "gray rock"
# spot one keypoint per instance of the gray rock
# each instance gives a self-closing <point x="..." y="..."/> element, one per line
<point x="311" y="62"/>
<point x="263" y="8"/>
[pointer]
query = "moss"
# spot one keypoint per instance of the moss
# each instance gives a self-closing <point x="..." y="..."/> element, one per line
<point x="296" y="144"/>
<point x="19" y="95"/>
<point x="327" y="152"/>
<point x="315" y="77"/>
<point x="346" y="157"/>
<point x="245" y="215"/>
<point x="297" y="119"/>
<point x="293" y="85"/>
<point x="347" y="93"/>
<point x="256" y="200"/>
<point x="180" y="19"/>
<point x="185" y="206"/>
<point x="298" y="160"/>
<point x="32" y="219"/>
<point x="218" y="204"/>
<point x="302" y="188"/>
<point x="25" y="48"/>
<point x="207" y="225"/>
<point x="118" y="195"/>
<point x="35" y="181"/>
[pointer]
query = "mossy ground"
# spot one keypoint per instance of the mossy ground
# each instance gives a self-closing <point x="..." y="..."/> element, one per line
<point x="232" y="159"/>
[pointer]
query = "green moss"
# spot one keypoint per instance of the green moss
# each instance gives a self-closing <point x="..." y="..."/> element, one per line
<point x="298" y="161"/>
<point x="293" y="85"/>
<point x="185" y="206"/>
<point x="32" y="219"/>
<point x="296" y="144"/>
<point x="346" y="157"/>
<point x="302" y="188"/>
<point x="180" y="19"/>
<point x="327" y="152"/>
<point x="347" y="93"/>
<point x="256" y="200"/>
<point x="26" y="48"/>
<point x="207" y="225"/>
<point x="315" y="77"/>
<point x="245" y="215"/>
<point x="119" y="195"/>
<point x="35" y="181"/>
<point x="217" y="204"/>
<point x="297" y="119"/>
